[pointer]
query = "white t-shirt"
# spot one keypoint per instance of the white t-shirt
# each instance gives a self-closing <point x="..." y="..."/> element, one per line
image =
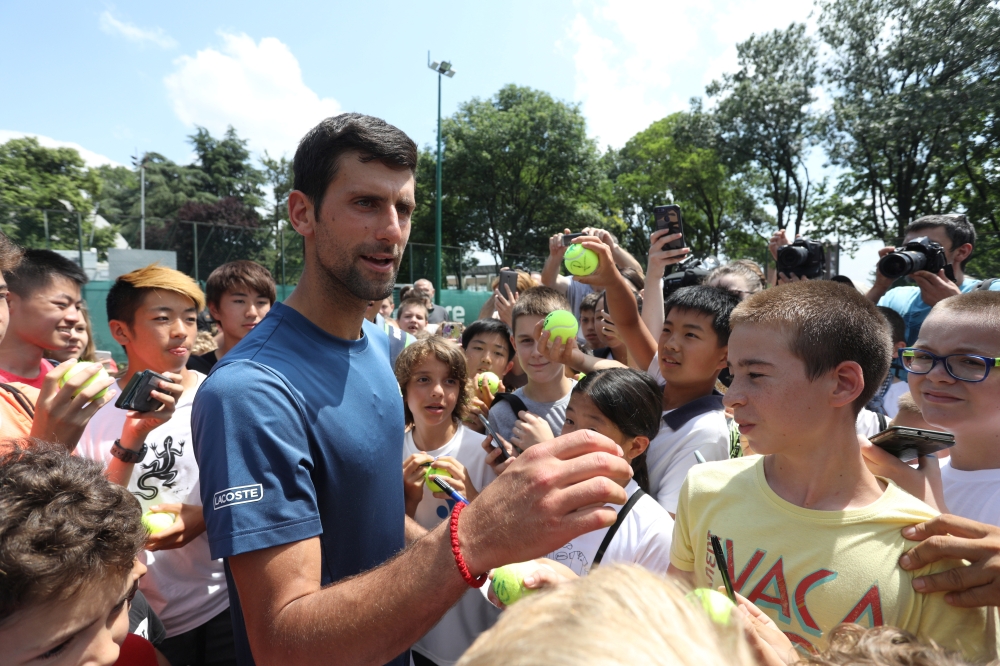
<point x="654" y="370"/>
<point x="643" y="538"/>
<point x="891" y="400"/>
<point x="867" y="423"/>
<point x="974" y="495"/>
<point x="671" y="452"/>
<point x="184" y="586"/>
<point x="472" y="615"/>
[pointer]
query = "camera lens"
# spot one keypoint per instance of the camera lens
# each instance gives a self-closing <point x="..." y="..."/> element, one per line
<point x="898" y="264"/>
<point x="791" y="256"/>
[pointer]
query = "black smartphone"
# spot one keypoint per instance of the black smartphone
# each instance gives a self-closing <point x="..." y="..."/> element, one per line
<point x="497" y="442"/>
<point x="670" y="218"/>
<point x="136" y="394"/>
<point x="908" y="444"/>
<point x="509" y="278"/>
<point x="568" y="238"/>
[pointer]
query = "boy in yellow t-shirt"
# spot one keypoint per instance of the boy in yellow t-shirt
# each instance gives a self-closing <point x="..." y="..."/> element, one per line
<point x="810" y="535"/>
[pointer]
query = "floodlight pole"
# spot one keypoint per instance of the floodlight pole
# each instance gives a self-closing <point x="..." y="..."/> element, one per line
<point x="442" y="68"/>
<point x="142" y="200"/>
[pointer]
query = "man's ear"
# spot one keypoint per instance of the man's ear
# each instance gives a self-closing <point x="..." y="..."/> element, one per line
<point x="302" y="213"/>
<point x="849" y="383"/>
<point x="961" y="253"/>
<point x="120" y="332"/>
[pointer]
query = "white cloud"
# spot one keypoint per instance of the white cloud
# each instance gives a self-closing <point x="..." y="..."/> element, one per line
<point x="255" y="87"/>
<point x="91" y="158"/>
<point x="638" y="60"/>
<point x="134" y="33"/>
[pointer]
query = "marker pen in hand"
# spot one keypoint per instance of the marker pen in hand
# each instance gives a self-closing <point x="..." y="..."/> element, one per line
<point x="446" y="487"/>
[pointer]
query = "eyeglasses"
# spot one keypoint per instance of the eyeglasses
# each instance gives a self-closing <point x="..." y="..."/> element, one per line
<point x="963" y="367"/>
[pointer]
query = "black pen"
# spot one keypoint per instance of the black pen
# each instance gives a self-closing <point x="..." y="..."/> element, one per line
<point x="720" y="560"/>
<point x="446" y="487"/>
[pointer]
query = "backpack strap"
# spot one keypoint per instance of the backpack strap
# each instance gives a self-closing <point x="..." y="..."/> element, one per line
<point x="882" y="423"/>
<point x="985" y="284"/>
<point x="636" y="496"/>
<point x="514" y="401"/>
<point x="22" y="399"/>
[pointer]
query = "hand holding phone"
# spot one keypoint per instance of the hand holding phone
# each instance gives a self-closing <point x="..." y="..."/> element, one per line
<point x="136" y="395"/>
<point x="497" y="442"/>
<point x="908" y="444"/>
<point x="508" y="278"/>
<point x="670" y="218"/>
<point x="567" y="239"/>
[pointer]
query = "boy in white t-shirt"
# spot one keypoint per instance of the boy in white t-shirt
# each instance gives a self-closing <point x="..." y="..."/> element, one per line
<point x="954" y="380"/>
<point x="432" y="378"/>
<point x="152" y="313"/>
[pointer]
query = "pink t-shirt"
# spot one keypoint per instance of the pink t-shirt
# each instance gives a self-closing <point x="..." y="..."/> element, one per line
<point x="43" y="369"/>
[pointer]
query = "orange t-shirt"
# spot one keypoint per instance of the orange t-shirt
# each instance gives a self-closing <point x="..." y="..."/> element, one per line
<point x="16" y="415"/>
<point x="43" y="369"/>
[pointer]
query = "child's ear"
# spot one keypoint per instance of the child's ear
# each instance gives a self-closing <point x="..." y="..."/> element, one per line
<point x="724" y="361"/>
<point x="510" y="366"/>
<point x="120" y="332"/>
<point x="900" y="345"/>
<point x="850" y="382"/>
<point x="639" y="446"/>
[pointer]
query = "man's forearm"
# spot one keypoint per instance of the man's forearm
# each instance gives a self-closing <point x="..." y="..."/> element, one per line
<point x="412" y="530"/>
<point x="367" y="619"/>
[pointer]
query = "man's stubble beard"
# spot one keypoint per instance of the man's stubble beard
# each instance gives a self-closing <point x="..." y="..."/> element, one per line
<point x="353" y="281"/>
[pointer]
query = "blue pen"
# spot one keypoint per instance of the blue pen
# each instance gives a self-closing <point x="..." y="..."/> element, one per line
<point x="445" y="486"/>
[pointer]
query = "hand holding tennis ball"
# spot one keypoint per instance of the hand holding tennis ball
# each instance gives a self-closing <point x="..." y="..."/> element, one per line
<point x="508" y="581"/>
<point x="78" y="367"/>
<point x="717" y="605"/>
<point x="157" y="522"/>
<point x="434" y="471"/>
<point x="579" y="260"/>
<point x="561" y="325"/>
<point x="490" y="380"/>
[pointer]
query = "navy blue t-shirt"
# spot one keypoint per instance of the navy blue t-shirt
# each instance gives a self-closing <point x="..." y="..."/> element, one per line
<point x="299" y="434"/>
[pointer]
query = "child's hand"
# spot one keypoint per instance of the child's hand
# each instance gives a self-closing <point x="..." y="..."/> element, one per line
<point x="554" y="349"/>
<point x="482" y="392"/>
<point x="924" y="482"/>
<point x="529" y="430"/>
<point x="548" y="574"/>
<point x="608" y="328"/>
<point x="504" y="303"/>
<point x="659" y="258"/>
<point x="769" y="643"/>
<point x="606" y="273"/>
<point x="556" y="247"/>
<point x="414" y="469"/>
<point x="139" y="424"/>
<point x="459" y="480"/>
<point x="493" y="458"/>
<point x="189" y="523"/>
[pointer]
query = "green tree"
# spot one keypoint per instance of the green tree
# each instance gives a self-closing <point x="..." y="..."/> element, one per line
<point x="764" y="117"/>
<point x="287" y="260"/>
<point x="227" y="166"/>
<point x="519" y="167"/>
<point x="914" y="81"/>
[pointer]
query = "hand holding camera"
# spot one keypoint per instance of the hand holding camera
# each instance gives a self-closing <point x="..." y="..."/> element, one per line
<point x="925" y="262"/>
<point x="158" y="399"/>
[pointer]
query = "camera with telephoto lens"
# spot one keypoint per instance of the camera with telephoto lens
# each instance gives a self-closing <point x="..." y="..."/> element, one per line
<point x="804" y="258"/>
<point x="687" y="273"/>
<point x="920" y="254"/>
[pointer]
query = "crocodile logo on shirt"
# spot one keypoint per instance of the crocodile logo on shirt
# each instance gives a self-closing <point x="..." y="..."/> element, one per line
<point x="162" y="468"/>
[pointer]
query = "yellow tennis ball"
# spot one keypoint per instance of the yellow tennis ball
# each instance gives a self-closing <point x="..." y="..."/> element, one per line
<point x="508" y="582"/>
<point x="579" y="260"/>
<point x="157" y="522"/>
<point x="73" y="369"/>
<point x="433" y="471"/>
<point x="717" y="605"/>
<point x="492" y="381"/>
<point x="561" y="325"/>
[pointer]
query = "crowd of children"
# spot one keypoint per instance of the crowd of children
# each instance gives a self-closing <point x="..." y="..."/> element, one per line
<point x="743" y="411"/>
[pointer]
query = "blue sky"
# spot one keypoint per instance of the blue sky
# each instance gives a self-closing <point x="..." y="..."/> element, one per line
<point x="112" y="79"/>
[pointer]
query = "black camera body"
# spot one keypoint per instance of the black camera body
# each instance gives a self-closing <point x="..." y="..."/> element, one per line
<point x="686" y="274"/>
<point x="920" y="254"/>
<point x="804" y="258"/>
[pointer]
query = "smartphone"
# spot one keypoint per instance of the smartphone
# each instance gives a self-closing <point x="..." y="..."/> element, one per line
<point x="908" y="444"/>
<point x="452" y="329"/>
<point x="670" y="217"/>
<point x="509" y="278"/>
<point x="497" y="442"/>
<point x="568" y="238"/>
<point x="105" y="359"/>
<point x="136" y="394"/>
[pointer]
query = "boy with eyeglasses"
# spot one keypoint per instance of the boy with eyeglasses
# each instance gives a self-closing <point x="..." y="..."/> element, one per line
<point x="955" y="380"/>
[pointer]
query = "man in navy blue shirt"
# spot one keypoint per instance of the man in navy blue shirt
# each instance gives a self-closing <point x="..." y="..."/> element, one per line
<point x="299" y="432"/>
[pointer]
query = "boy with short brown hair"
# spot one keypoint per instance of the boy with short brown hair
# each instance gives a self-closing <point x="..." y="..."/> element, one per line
<point x="810" y="535"/>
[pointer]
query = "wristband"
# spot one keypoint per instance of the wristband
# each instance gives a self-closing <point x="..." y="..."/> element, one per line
<point x="127" y="455"/>
<point x="459" y="560"/>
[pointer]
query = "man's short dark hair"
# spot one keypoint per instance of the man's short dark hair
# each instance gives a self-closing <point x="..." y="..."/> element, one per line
<point x="36" y="270"/>
<point x="63" y="525"/>
<point x="317" y="158"/>
<point x="10" y="254"/>
<point x="716" y="302"/>
<point x="827" y="323"/>
<point x="957" y="227"/>
<point x="897" y="326"/>
<point x="488" y="327"/>
<point x="242" y="273"/>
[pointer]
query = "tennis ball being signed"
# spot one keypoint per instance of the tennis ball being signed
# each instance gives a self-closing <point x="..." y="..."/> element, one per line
<point x="157" y="522"/>
<point x="579" y="260"/>
<point x="491" y="380"/>
<point x="717" y="605"/>
<point x="78" y="367"/>
<point x="561" y="325"/>
<point x="508" y="582"/>
<point x="433" y="471"/>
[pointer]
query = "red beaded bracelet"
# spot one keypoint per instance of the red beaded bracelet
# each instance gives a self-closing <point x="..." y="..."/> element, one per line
<point x="459" y="560"/>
